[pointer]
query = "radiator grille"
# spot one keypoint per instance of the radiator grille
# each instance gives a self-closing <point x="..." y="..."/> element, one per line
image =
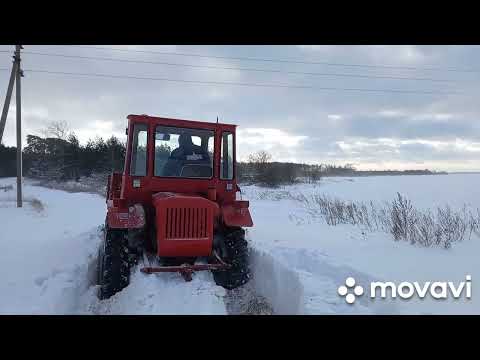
<point x="186" y="223"/>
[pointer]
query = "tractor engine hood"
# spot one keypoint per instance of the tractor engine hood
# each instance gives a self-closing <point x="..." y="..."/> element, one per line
<point x="184" y="224"/>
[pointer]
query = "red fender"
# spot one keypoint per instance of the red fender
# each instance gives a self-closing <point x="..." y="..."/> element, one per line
<point x="123" y="218"/>
<point x="237" y="214"/>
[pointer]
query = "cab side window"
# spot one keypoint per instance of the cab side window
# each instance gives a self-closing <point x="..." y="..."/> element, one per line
<point x="226" y="161"/>
<point x="138" y="165"/>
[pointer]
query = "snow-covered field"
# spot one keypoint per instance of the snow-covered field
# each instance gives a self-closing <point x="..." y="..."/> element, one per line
<point x="322" y="256"/>
<point x="48" y="255"/>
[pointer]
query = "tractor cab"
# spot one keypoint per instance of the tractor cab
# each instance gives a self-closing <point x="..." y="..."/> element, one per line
<point x="176" y="199"/>
<point x="179" y="156"/>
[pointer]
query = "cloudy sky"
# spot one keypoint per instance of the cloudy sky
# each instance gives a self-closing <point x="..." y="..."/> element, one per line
<point x="434" y="126"/>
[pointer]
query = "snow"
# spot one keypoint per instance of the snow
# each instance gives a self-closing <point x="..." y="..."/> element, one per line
<point x="168" y="295"/>
<point x="48" y="255"/>
<point x="48" y="263"/>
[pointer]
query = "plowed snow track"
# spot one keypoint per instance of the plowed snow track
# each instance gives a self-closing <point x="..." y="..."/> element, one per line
<point x="168" y="293"/>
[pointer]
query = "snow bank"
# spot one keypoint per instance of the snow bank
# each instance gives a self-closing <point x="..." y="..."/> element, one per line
<point x="277" y="283"/>
<point x="46" y="251"/>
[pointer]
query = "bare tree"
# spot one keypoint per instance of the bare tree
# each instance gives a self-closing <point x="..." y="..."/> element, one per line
<point x="259" y="162"/>
<point x="260" y="157"/>
<point x="58" y="129"/>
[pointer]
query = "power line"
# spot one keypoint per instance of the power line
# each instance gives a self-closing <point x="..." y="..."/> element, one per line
<point x="234" y="68"/>
<point x="276" y="60"/>
<point x="241" y="84"/>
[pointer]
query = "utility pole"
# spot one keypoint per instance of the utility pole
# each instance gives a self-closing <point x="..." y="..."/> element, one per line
<point x="6" y="105"/>
<point x="19" y="74"/>
<point x="15" y="77"/>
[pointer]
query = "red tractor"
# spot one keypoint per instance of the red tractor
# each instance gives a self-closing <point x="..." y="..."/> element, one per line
<point x="177" y="200"/>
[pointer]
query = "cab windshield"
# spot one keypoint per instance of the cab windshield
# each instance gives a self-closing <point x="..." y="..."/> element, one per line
<point x="182" y="152"/>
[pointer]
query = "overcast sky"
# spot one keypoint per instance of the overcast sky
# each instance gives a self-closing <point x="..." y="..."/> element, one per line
<point x="372" y="130"/>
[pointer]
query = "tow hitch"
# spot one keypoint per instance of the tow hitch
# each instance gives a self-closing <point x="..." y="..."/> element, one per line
<point x="186" y="270"/>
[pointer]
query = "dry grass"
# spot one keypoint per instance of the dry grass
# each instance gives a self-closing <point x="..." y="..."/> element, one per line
<point x="36" y="204"/>
<point x="399" y="218"/>
<point x="6" y="188"/>
<point x="95" y="184"/>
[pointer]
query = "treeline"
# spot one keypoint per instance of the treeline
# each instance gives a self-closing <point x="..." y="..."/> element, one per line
<point x="397" y="172"/>
<point x="68" y="159"/>
<point x="64" y="159"/>
<point x="277" y="173"/>
<point x="260" y="169"/>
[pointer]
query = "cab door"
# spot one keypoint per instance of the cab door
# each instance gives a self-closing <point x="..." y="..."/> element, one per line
<point x="227" y="183"/>
<point x="136" y="171"/>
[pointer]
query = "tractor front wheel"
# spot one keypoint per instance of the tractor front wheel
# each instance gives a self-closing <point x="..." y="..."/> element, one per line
<point x="233" y="249"/>
<point x="113" y="264"/>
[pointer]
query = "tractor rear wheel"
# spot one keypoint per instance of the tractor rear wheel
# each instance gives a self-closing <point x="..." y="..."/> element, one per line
<point x="233" y="249"/>
<point x="113" y="264"/>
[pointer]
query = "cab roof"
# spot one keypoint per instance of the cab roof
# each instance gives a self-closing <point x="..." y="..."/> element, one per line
<point x="179" y="122"/>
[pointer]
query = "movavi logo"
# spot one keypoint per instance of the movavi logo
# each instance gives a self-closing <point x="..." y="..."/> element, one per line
<point x="405" y="289"/>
